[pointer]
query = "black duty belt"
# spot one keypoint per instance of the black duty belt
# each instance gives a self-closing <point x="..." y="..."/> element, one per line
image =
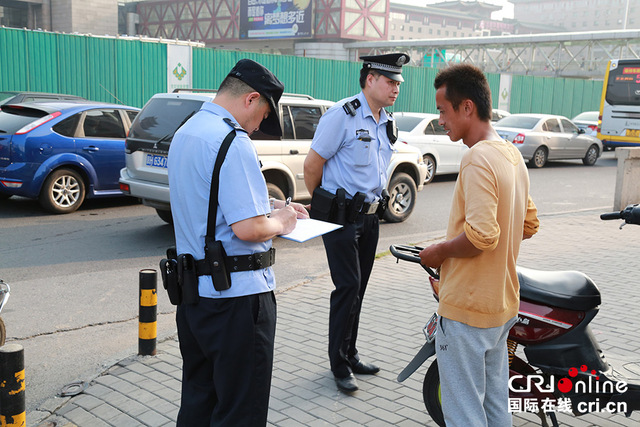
<point x="235" y="263"/>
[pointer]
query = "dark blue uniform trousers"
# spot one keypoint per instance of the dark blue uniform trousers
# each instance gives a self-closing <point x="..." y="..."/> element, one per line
<point x="227" y="351"/>
<point x="350" y="252"/>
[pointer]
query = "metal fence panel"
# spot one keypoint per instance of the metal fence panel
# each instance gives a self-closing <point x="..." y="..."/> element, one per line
<point x="131" y="71"/>
<point x="13" y="55"/>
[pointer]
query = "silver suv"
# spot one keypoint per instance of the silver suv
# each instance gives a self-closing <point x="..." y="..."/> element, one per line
<point x="145" y="174"/>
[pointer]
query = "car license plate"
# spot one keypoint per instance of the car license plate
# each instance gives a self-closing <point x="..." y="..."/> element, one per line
<point x="431" y="328"/>
<point x="157" y="161"/>
<point x="633" y="133"/>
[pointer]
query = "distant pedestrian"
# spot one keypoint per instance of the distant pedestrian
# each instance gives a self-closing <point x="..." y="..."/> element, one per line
<point x="491" y="214"/>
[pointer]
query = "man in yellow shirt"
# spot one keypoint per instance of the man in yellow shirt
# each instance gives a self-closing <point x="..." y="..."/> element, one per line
<point x="491" y="214"/>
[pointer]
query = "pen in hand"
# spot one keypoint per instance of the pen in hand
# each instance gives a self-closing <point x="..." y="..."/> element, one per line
<point x="287" y="202"/>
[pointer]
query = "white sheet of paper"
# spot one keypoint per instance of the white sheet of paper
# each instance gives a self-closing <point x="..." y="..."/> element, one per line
<point x="307" y="229"/>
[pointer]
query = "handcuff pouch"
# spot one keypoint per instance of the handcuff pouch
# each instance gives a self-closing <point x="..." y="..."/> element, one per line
<point x="216" y="256"/>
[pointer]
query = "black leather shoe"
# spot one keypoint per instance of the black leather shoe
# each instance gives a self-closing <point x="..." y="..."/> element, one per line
<point x="347" y="384"/>
<point x="363" y="368"/>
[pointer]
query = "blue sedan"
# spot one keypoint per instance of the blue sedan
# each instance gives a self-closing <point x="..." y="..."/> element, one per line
<point x="62" y="152"/>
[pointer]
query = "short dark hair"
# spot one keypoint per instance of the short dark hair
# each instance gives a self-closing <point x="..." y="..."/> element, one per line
<point x="234" y="86"/>
<point x="466" y="81"/>
<point x="364" y="72"/>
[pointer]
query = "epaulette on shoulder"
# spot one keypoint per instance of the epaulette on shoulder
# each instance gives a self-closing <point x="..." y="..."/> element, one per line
<point x="350" y="107"/>
<point x="233" y="124"/>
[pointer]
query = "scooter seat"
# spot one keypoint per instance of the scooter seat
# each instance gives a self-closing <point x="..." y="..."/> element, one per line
<point x="565" y="289"/>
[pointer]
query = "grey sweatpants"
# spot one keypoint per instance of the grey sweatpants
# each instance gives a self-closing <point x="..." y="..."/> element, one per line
<point x="474" y="373"/>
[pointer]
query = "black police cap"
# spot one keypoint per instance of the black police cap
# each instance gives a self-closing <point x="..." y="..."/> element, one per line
<point x="266" y="84"/>
<point x="389" y="65"/>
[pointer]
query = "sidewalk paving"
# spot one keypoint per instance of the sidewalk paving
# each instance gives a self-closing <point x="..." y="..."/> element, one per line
<point x="145" y="391"/>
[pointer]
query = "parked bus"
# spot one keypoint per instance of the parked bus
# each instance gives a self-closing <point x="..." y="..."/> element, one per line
<point x="619" y="121"/>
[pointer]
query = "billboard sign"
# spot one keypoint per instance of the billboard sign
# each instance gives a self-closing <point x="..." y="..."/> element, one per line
<point x="269" y="19"/>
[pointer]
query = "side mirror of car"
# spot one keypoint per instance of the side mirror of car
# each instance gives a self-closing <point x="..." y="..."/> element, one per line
<point x="580" y="131"/>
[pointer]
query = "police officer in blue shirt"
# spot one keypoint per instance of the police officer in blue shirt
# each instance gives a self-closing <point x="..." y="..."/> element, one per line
<point x="346" y="171"/>
<point x="227" y="336"/>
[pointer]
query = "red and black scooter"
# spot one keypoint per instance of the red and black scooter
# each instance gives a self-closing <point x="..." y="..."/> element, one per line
<point x="561" y="367"/>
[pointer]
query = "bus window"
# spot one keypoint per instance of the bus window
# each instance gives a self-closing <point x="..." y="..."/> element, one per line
<point x="623" y="87"/>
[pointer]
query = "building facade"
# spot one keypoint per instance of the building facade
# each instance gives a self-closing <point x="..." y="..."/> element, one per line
<point x="580" y="15"/>
<point x="67" y="16"/>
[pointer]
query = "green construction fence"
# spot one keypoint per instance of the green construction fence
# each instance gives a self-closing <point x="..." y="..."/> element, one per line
<point x="130" y="71"/>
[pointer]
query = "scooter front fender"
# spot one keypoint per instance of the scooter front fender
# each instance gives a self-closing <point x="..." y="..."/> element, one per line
<point x="427" y="350"/>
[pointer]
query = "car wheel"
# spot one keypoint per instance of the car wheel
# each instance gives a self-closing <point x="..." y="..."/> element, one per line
<point x="275" y="191"/>
<point x="592" y="156"/>
<point x="431" y="167"/>
<point x="165" y="215"/>
<point x="402" y="197"/>
<point x="63" y="191"/>
<point x="539" y="158"/>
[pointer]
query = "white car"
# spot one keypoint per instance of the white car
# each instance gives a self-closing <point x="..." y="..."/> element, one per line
<point x="439" y="153"/>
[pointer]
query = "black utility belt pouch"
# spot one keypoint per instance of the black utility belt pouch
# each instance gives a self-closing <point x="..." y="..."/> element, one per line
<point x="169" y="273"/>
<point x="323" y="205"/>
<point x="384" y="204"/>
<point x="188" y="279"/>
<point x="179" y="278"/>
<point x="355" y="207"/>
<point x="215" y="257"/>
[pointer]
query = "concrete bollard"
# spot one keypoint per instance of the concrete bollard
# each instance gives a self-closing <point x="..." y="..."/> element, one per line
<point x="148" y="325"/>
<point x="12" y="385"/>
<point x="627" y="177"/>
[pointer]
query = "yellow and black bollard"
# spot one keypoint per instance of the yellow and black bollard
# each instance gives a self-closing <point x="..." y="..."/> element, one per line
<point x="148" y="325"/>
<point x="12" y="384"/>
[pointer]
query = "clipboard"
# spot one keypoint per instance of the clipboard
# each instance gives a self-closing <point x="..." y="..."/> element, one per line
<point x="307" y="229"/>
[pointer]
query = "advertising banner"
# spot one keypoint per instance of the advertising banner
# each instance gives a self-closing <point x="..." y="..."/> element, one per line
<point x="504" y="97"/>
<point x="178" y="67"/>
<point x="269" y="19"/>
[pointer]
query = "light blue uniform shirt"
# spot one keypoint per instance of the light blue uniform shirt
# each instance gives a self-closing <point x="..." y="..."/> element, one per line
<point x="351" y="163"/>
<point x="243" y="194"/>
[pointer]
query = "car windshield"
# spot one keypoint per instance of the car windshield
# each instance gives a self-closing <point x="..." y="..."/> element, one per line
<point x="14" y="119"/>
<point x="591" y="116"/>
<point x="161" y="117"/>
<point x="407" y="123"/>
<point x="518" y="122"/>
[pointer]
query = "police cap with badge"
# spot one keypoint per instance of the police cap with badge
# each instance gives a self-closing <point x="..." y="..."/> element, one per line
<point x="389" y="65"/>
